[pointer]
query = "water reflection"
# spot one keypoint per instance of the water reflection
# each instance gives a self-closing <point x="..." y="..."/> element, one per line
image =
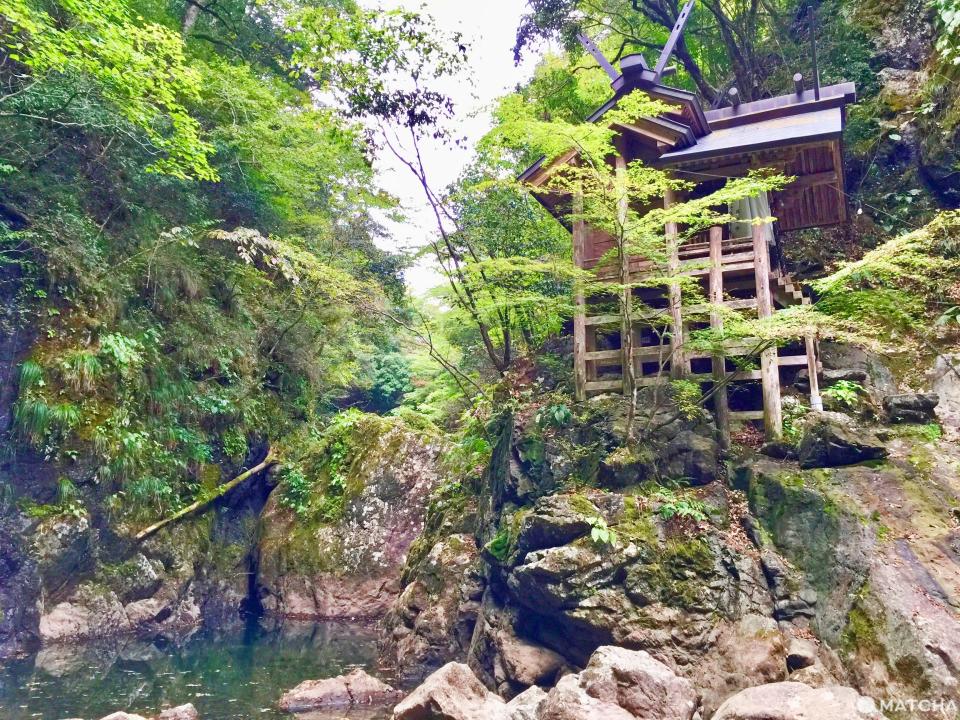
<point x="233" y="675"/>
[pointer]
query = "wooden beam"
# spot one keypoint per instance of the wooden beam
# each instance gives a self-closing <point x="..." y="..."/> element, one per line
<point x="816" y="402"/>
<point x="769" y="366"/>
<point x="679" y="366"/>
<point x="651" y="131"/>
<point x="580" y="307"/>
<point x="603" y="386"/>
<point x="626" y="292"/>
<point x="541" y="174"/>
<point x="747" y="415"/>
<point x="720" y="400"/>
<point x="828" y="177"/>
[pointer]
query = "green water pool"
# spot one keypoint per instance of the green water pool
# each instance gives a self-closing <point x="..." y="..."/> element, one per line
<point x="232" y="675"/>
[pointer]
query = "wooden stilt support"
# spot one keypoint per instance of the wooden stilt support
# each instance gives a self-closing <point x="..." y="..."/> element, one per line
<point x="580" y="308"/>
<point x="679" y="365"/>
<point x="816" y="401"/>
<point x="720" y="400"/>
<point x="626" y="298"/>
<point x="769" y="364"/>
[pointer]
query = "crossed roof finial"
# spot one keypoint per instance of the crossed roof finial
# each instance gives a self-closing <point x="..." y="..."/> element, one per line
<point x="668" y="48"/>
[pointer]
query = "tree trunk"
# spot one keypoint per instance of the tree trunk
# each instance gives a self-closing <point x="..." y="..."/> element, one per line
<point x="190" y="14"/>
<point x="201" y="505"/>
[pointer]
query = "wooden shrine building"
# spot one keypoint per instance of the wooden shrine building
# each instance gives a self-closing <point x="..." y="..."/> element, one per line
<point x="798" y="134"/>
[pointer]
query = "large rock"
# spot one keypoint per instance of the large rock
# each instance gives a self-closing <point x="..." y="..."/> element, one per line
<point x="181" y="712"/>
<point x="888" y="606"/>
<point x="526" y="705"/>
<point x="63" y="548"/>
<point x="911" y="408"/>
<point x="830" y="377"/>
<point x="944" y="379"/>
<point x="90" y="612"/>
<point x="451" y="693"/>
<point x="20" y="588"/>
<point x="831" y="439"/>
<point x="556" y="520"/>
<point x="349" y="567"/>
<point x="527" y="663"/>
<point x="432" y="621"/>
<point x="136" y="579"/>
<point x="570" y="701"/>
<point x="354" y="688"/>
<point x="506" y="662"/>
<point x="796" y="701"/>
<point x="843" y="358"/>
<point x="634" y="681"/>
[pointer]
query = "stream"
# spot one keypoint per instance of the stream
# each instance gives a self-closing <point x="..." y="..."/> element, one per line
<point x="227" y="675"/>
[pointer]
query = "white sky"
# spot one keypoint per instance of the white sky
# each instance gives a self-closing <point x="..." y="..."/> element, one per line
<point x="489" y="28"/>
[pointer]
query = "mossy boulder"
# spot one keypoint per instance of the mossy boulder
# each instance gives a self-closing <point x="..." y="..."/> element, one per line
<point x="432" y="620"/>
<point x="348" y="564"/>
<point x="63" y="546"/>
<point x="556" y="520"/>
<point x="830" y="439"/>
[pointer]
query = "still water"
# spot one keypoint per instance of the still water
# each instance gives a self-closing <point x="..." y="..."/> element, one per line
<point x="236" y="675"/>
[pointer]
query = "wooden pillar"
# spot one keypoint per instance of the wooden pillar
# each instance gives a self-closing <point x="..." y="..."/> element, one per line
<point x="720" y="400"/>
<point x="626" y="298"/>
<point x="580" y="307"/>
<point x="769" y="365"/>
<point x="679" y="365"/>
<point x="816" y="401"/>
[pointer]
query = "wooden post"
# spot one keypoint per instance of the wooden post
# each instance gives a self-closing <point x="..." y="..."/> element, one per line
<point x="679" y="366"/>
<point x="626" y="299"/>
<point x="720" y="400"/>
<point x="769" y="365"/>
<point x="579" y="311"/>
<point x="816" y="402"/>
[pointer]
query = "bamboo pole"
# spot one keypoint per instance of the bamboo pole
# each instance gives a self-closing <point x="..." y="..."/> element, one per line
<point x="769" y="365"/>
<point x="720" y="399"/>
<point x="201" y="505"/>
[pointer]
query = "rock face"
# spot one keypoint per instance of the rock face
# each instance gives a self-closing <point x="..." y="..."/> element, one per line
<point x="180" y="578"/>
<point x="350" y="567"/>
<point x="432" y="621"/>
<point x="689" y="599"/>
<point x="912" y="408"/>
<point x="70" y="576"/>
<point x="831" y="439"/>
<point x="355" y="688"/>
<point x="19" y="589"/>
<point x="944" y="380"/>
<point x="796" y="701"/>
<point x="886" y="606"/>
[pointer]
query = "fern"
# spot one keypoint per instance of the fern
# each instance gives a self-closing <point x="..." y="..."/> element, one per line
<point x="82" y="369"/>
<point x="31" y="375"/>
<point x="65" y="416"/>
<point x="31" y="418"/>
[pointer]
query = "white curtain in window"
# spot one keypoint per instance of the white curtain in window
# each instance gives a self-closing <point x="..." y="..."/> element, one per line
<point x="746" y="210"/>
